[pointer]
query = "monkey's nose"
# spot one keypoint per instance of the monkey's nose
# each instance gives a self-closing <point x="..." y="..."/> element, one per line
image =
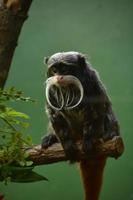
<point x="59" y="79"/>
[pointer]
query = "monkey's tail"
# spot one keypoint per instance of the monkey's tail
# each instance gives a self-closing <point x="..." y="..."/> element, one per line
<point x="92" y="175"/>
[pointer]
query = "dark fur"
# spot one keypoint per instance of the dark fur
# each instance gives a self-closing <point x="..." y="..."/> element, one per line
<point x="92" y="119"/>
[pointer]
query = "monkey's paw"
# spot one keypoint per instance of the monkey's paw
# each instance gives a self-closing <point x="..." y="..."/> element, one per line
<point x="48" y="141"/>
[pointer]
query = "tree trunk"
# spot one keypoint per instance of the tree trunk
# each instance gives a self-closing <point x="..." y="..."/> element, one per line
<point x="13" y="13"/>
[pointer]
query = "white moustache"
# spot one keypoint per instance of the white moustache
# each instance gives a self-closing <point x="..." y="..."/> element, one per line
<point x="64" y="102"/>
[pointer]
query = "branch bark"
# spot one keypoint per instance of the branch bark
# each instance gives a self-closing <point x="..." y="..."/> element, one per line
<point x="13" y="13"/>
<point x="55" y="153"/>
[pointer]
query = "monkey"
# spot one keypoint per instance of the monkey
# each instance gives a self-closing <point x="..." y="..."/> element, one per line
<point x="79" y="109"/>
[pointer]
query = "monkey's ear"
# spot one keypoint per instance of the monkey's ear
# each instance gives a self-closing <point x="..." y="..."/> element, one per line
<point x="46" y="60"/>
<point x="81" y="59"/>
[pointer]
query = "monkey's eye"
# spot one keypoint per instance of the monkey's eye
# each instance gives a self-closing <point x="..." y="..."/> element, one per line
<point x="54" y="70"/>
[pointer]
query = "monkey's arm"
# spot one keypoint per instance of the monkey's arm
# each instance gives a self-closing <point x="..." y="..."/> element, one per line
<point x="62" y="134"/>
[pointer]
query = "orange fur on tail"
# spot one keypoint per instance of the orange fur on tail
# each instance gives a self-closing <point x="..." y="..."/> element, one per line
<point x="92" y="175"/>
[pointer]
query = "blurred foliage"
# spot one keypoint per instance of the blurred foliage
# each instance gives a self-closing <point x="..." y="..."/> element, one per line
<point x="13" y="158"/>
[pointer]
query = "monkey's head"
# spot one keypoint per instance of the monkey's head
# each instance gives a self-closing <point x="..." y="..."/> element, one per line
<point x="65" y="73"/>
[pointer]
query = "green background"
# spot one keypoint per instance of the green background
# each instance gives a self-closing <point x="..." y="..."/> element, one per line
<point x="103" y="30"/>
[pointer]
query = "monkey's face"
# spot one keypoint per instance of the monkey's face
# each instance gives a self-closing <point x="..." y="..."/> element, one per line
<point x="63" y="87"/>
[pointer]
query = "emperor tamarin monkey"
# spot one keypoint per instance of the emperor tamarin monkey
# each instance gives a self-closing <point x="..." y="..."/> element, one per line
<point x="79" y="110"/>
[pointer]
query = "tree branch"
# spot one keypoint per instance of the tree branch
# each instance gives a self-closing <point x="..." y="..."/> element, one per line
<point x="55" y="153"/>
<point x="13" y="13"/>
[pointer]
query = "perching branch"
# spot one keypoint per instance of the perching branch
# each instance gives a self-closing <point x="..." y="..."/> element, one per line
<point x="111" y="148"/>
<point x="13" y="13"/>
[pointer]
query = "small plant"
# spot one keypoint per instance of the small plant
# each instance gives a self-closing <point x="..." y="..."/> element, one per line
<point x="14" y="165"/>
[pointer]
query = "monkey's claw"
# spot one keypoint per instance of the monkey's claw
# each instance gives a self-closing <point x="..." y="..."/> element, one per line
<point x="48" y="141"/>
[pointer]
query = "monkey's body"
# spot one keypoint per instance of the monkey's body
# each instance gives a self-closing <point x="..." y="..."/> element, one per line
<point x="93" y="118"/>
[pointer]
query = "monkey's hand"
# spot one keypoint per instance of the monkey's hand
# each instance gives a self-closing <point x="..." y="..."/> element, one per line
<point x="69" y="147"/>
<point x="48" y="140"/>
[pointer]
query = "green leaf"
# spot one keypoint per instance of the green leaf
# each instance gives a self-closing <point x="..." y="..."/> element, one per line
<point x="29" y="163"/>
<point x="24" y="124"/>
<point x="13" y="113"/>
<point x="29" y="139"/>
<point x="22" y="163"/>
<point x="23" y="175"/>
<point x="12" y="138"/>
<point x="27" y="177"/>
